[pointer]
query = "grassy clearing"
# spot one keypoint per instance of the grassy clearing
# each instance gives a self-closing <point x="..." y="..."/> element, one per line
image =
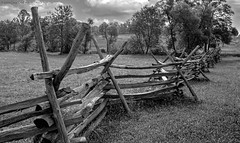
<point x="102" y="41"/>
<point x="215" y="119"/>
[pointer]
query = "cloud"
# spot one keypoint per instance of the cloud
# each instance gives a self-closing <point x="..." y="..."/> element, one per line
<point x="10" y="9"/>
<point x="98" y="22"/>
<point x="234" y="2"/>
<point x="114" y="8"/>
<point x="8" y="12"/>
<point x="118" y="3"/>
<point x="45" y="7"/>
<point x="119" y="6"/>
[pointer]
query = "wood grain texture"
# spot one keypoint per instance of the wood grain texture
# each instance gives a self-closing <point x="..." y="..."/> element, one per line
<point x="48" y="82"/>
<point x="114" y="81"/>
<point x="142" y="84"/>
<point x="31" y="130"/>
<point x="78" y="70"/>
<point x="31" y="102"/>
<point x="143" y="94"/>
<point x="72" y="55"/>
<point x="146" y="76"/>
<point x="144" y="67"/>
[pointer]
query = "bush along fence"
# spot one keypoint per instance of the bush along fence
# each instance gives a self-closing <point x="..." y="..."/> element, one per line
<point x="70" y="115"/>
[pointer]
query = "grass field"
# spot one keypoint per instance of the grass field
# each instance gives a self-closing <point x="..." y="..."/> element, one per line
<point x="233" y="48"/>
<point x="215" y="119"/>
<point x="102" y="41"/>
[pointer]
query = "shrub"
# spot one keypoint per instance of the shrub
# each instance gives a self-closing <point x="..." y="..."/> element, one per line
<point x="2" y="47"/>
<point x="113" y="49"/>
<point x="135" y="46"/>
<point x="103" y="50"/>
<point x="158" y="51"/>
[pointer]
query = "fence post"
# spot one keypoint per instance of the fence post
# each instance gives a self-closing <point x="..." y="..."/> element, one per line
<point x="72" y="55"/>
<point x="48" y="82"/>
<point x="180" y="72"/>
<point x="115" y="83"/>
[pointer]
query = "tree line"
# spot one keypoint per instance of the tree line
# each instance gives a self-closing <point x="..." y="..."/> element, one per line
<point x="59" y="29"/>
<point x="178" y="24"/>
<point x="184" y="24"/>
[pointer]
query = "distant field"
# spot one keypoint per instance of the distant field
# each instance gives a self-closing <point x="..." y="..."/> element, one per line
<point x="216" y="119"/>
<point x="103" y="44"/>
<point x="17" y="67"/>
<point x="233" y="48"/>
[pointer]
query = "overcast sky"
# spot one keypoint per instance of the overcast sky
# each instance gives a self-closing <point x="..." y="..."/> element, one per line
<point x="99" y="10"/>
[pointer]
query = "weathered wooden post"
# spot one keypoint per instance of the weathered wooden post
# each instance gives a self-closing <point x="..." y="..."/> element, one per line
<point x="48" y="82"/>
<point x="66" y="66"/>
<point x="114" y="81"/>
<point x="180" y="72"/>
<point x="72" y="55"/>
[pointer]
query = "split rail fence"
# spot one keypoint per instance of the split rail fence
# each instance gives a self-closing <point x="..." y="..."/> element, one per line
<point x="69" y="115"/>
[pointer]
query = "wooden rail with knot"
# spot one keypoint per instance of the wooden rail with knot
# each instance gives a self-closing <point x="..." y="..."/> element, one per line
<point x="69" y="115"/>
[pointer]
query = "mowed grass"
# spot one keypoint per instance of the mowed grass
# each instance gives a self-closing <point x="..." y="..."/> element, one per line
<point x="214" y="119"/>
<point x="16" y="68"/>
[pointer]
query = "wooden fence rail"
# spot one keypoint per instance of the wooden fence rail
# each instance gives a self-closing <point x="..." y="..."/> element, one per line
<point x="68" y="115"/>
<point x="86" y="96"/>
<point x="78" y="70"/>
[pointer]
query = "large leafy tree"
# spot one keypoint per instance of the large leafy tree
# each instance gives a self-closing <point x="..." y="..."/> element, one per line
<point x="109" y="32"/>
<point x="8" y="34"/>
<point x="197" y="21"/>
<point x="147" y="24"/>
<point x="113" y="32"/>
<point x="24" y="29"/>
<point x="45" y="23"/>
<point x="18" y="28"/>
<point x="216" y="20"/>
<point x="166" y="7"/>
<point x="69" y="34"/>
<point x="87" y="41"/>
<point x="222" y="22"/>
<point x="187" y="21"/>
<point x="50" y="33"/>
<point x="61" y="16"/>
<point x="104" y="32"/>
